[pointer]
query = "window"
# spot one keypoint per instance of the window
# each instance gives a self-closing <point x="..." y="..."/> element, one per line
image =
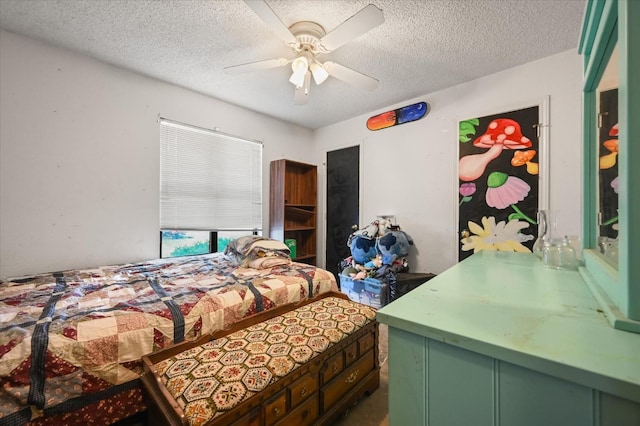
<point x="210" y="189"/>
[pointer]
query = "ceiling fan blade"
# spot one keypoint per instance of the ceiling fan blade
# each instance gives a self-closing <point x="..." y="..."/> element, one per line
<point x="256" y="66"/>
<point x="350" y="76"/>
<point x="264" y="12"/>
<point x="363" y="21"/>
<point x="301" y="96"/>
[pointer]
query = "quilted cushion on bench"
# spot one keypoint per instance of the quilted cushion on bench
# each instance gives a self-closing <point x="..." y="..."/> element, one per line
<point x="215" y="377"/>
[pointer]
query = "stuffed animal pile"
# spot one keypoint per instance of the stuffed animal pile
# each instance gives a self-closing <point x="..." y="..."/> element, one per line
<point x="376" y="250"/>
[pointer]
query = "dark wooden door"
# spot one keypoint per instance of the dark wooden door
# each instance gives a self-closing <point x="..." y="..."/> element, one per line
<point x="343" y="202"/>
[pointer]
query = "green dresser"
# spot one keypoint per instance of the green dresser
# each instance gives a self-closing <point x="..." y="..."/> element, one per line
<point x="501" y="340"/>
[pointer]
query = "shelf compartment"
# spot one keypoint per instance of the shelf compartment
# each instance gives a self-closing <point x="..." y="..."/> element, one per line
<point x="293" y="206"/>
<point x="299" y="214"/>
<point x="299" y="228"/>
<point x="305" y="258"/>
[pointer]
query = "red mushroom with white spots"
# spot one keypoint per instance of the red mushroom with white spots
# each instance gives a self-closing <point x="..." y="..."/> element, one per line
<point x="502" y="133"/>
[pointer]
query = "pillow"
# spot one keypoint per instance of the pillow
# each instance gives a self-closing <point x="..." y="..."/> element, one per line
<point x="246" y="250"/>
<point x="242" y="245"/>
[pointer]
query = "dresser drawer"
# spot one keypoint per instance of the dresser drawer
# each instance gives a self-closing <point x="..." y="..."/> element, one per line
<point x="275" y="409"/>
<point x="351" y="353"/>
<point x="365" y="343"/>
<point x="302" y="389"/>
<point x="339" y="386"/>
<point x="304" y="415"/>
<point x="252" y="418"/>
<point x="332" y="367"/>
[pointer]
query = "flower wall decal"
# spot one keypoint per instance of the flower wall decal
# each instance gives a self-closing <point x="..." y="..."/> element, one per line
<point x="614" y="184"/>
<point x="501" y="236"/>
<point x="467" y="189"/>
<point x="504" y="191"/>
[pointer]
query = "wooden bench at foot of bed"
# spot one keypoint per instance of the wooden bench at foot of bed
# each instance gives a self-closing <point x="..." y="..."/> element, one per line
<point x="295" y="365"/>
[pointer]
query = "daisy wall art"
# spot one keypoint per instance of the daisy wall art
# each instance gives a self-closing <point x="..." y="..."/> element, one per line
<point x="498" y="182"/>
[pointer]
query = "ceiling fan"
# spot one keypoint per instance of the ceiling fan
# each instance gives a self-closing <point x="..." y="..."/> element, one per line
<point x="308" y="40"/>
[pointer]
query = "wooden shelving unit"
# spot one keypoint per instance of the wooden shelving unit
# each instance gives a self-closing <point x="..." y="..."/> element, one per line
<point x="293" y="206"/>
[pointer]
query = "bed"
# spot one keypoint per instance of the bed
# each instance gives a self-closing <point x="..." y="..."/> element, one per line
<point x="71" y="341"/>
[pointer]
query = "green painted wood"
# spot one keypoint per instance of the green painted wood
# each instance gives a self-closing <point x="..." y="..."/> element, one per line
<point x="603" y="273"/>
<point x="629" y="163"/>
<point x="510" y="307"/>
<point x="592" y="13"/>
<point x="460" y="388"/>
<point x="608" y="22"/>
<point x="596" y="44"/>
<point x="616" y="411"/>
<point x="604" y="41"/>
<point x="528" y="398"/>
<point x="408" y="382"/>
<point x="464" y="388"/>
<point x="615" y="316"/>
<point x="589" y="171"/>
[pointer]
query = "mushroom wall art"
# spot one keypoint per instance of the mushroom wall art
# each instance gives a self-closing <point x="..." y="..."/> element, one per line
<point x="498" y="182"/>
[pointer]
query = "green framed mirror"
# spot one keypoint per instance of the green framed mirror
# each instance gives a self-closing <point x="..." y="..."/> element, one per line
<point x="610" y="43"/>
<point x="607" y="170"/>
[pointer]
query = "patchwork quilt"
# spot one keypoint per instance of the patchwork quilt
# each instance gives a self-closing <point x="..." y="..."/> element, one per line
<point x="72" y="338"/>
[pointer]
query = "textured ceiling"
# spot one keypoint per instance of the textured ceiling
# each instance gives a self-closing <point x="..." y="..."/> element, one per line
<point x="423" y="46"/>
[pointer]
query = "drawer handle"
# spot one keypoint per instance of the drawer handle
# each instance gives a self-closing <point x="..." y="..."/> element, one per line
<point x="303" y="391"/>
<point x="335" y="367"/>
<point x="352" y="355"/>
<point x="276" y="411"/>
<point x="352" y="377"/>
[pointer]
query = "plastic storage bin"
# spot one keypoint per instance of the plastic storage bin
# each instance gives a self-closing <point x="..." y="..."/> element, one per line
<point x="369" y="291"/>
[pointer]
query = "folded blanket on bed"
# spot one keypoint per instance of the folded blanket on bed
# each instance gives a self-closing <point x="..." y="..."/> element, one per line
<point x="254" y="251"/>
<point x="266" y="262"/>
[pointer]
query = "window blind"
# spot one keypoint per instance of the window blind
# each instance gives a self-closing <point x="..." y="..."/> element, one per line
<point x="208" y="180"/>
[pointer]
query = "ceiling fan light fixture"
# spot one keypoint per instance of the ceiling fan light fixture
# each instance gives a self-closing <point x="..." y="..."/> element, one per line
<point x="319" y="73"/>
<point x="307" y="83"/>
<point x="302" y="92"/>
<point x="300" y="65"/>
<point x="309" y="39"/>
<point x="297" y="78"/>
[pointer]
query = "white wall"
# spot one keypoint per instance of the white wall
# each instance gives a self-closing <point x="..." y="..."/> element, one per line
<point x="411" y="170"/>
<point x="79" y="156"/>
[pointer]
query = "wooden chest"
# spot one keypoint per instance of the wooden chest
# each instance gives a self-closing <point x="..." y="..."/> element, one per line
<point x="316" y="390"/>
